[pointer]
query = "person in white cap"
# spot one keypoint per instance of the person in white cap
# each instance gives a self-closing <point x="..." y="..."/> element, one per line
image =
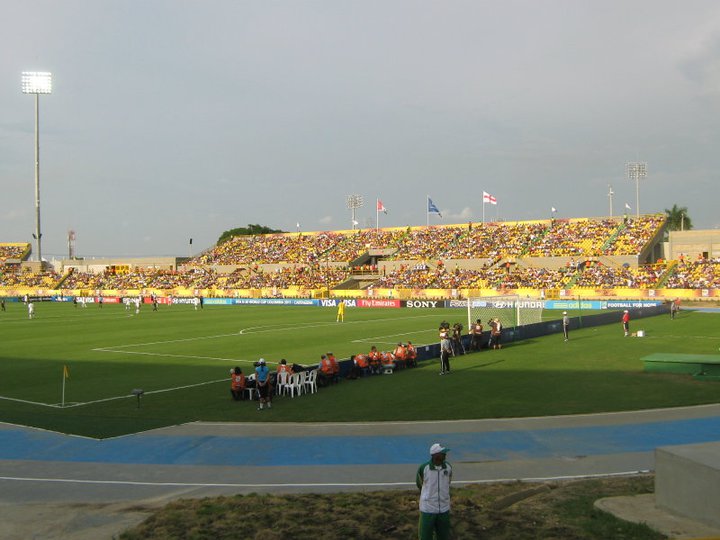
<point x="566" y="325"/>
<point x="433" y="479"/>
<point x="626" y="322"/>
<point x="262" y="383"/>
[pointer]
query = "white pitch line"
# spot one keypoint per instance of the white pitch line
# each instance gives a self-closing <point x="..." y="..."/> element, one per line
<point x="254" y="330"/>
<point x="168" y="355"/>
<point x="114" y="398"/>
<point x="26" y="401"/>
<point x="274" y="328"/>
<point x="198" y="338"/>
<point x="150" y="392"/>
<point x="315" y="484"/>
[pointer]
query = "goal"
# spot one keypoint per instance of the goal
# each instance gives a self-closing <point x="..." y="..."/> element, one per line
<point x="512" y="310"/>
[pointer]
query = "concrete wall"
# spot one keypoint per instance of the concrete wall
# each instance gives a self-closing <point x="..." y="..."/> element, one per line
<point x="694" y="243"/>
<point x="687" y="481"/>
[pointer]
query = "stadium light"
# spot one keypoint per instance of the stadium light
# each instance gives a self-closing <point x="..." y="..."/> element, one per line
<point x="37" y="82"/>
<point x="610" y="196"/>
<point x="354" y="202"/>
<point x="636" y="170"/>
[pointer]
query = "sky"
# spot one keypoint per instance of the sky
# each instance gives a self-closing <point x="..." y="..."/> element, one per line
<point x="179" y="119"/>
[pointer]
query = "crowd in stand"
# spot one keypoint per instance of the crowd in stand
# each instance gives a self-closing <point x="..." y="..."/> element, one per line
<point x="426" y="278"/>
<point x="565" y="238"/>
<point x="41" y="280"/>
<point x="634" y="234"/>
<point x="700" y="274"/>
<point x="141" y="278"/>
<point x="325" y="260"/>
<point x="12" y="251"/>
<point x="309" y="277"/>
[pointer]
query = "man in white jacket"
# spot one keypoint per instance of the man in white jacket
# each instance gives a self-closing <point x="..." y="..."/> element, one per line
<point x="433" y="479"/>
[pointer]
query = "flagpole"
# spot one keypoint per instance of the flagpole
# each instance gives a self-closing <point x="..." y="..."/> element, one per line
<point x="483" y="208"/>
<point x="377" y="214"/>
<point x="427" y="211"/>
<point x="63" y="386"/>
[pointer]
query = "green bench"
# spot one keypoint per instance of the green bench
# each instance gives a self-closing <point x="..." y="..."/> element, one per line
<point x="704" y="367"/>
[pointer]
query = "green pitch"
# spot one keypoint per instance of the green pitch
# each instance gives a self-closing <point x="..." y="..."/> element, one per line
<point x="181" y="358"/>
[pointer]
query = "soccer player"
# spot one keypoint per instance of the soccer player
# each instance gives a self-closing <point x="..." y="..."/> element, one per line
<point x="566" y="325"/>
<point x="341" y="311"/>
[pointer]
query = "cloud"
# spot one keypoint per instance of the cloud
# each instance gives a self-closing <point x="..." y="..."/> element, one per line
<point x="325" y="220"/>
<point x="465" y="213"/>
<point x="13" y="214"/>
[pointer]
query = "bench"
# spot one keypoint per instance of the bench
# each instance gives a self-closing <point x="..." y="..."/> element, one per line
<point x="704" y="367"/>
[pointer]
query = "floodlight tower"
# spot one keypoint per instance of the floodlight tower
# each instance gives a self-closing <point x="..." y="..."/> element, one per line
<point x="354" y="202"/>
<point x="71" y="244"/>
<point x="636" y="170"/>
<point x="37" y="82"/>
<point x="610" y="196"/>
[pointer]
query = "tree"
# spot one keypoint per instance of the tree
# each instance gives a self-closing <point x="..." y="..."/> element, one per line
<point x="678" y="219"/>
<point x="246" y="231"/>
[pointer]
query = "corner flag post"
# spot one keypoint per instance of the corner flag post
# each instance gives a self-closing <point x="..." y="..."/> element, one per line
<point x="66" y="376"/>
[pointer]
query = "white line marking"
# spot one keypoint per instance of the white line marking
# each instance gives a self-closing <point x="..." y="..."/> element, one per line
<point x="313" y="485"/>
<point x="168" y="355"/>
<point x="198" y="338"/>
<point x="83" y="403"/>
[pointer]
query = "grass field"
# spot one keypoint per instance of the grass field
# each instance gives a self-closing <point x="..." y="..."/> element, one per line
<point x="181" y="358"/>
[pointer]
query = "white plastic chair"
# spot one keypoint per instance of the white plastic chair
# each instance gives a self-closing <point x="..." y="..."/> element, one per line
<point x="281" y="382"/>
<point x="311" y="381"/>
<point x="296" y="383"/>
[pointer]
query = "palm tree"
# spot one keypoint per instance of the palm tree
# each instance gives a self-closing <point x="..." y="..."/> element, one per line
<point x="677" y="219"/>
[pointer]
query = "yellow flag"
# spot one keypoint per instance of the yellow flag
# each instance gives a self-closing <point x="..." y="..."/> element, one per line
<point x="66" y="372"/>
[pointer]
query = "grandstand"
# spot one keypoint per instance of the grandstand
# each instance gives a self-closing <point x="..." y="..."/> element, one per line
<point x="588" y="257"/>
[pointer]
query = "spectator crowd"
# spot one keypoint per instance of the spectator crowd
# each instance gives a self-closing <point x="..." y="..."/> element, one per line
<point x="312" y="261"/>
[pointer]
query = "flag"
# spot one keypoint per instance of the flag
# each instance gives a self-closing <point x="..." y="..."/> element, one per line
<point x="487" y="198"/>
<point x="627" y="206"/>
<point x="432" y="209"/>
<point x="355" y="222"/>
<point x="381" y="207"/>
<point x="66" y="372"/>
<point x="553" y="209"/>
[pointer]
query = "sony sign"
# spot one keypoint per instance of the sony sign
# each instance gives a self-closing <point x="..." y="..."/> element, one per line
<point x="422" y="304"/>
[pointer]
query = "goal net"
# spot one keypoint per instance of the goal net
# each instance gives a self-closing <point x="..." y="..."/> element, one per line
<point x="512" y="310"/>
